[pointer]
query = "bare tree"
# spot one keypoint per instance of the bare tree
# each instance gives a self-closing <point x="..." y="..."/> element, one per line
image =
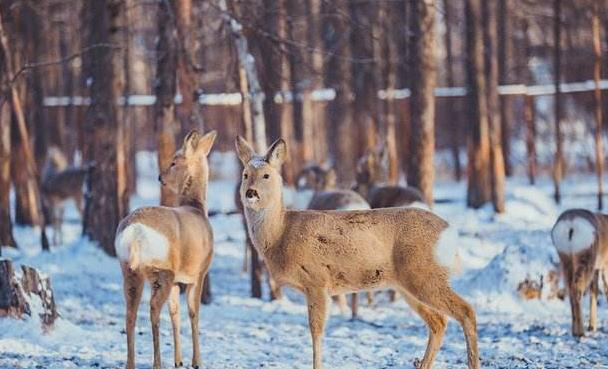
<point x="558" y="162"/>
<point x="422" y="102"/>
<point x="6" y="230"/>
<point x="478" y="190"/>
<point x="337" y="75"/>
<point x="505" y="62"/>
<point x="165" y="90"/>
<point x="497" y="167"/>
<point x="597" y="72"/>
<point x="104" y="68"/>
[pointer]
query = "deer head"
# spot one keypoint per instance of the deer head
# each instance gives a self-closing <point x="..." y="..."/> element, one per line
<point x="261" y="185"/>
<point x="190" y="161"/>
<point x="315" y="177"/>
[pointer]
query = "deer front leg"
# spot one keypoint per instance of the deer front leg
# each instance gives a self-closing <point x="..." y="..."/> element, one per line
<point x="175" y="322"/>
<point x="595" y="289"/>
<point x="317" y="300"/>
<point x="162" y="282"/>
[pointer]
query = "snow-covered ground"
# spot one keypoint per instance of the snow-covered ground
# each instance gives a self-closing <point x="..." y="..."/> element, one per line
<point x="237" y="331"/>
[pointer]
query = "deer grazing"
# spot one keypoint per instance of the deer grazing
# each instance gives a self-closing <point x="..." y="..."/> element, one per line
<point x="327" y="197"/>
<point x="371" y="171"/>
<point x="167" y="246"/>
<point x="581" y="240"/>
<point x="59" y="184"/>
<point x="325" y="253"/>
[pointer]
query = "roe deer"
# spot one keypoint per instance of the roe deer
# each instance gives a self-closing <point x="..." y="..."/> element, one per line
<point x="61" y="183"/>
<point x="327" y="197"/>
<point x="324" y="253"/>
<point x="371" y="171"/>
<point x="167" y="246"/>
<point x="581" y="240"/>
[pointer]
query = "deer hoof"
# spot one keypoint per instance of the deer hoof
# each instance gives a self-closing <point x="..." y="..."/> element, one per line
<point x="179" y="365"/>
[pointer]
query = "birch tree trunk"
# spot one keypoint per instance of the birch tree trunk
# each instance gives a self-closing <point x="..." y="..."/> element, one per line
<point x="422" y="101"/>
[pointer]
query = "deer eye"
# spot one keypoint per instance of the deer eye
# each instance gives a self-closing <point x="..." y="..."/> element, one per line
<point x="172" y="164"/>
<point x="245" y="175"/>
<point x="266" y="176"/>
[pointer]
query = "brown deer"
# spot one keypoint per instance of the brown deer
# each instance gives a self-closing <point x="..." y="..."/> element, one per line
<point x="167" y="246"/>
<point x="581" y="239"/>
<point x="59" y="184"/>
<point x="371" y="172"/>
<point x="327" y="197"/>
<point x="324" y="253"/>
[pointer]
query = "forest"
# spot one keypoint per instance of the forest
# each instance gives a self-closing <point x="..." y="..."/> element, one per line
<point x="486" y="114"/>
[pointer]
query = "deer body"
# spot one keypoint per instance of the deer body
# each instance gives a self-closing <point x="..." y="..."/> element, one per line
<point x="59" y="184"/>
<point x="166" y="246"/>
<point x="322" y="253"/>
<point x="581" y="240"/>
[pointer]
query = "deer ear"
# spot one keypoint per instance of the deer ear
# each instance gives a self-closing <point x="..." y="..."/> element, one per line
<point x="243" y="150"/>
<point x="277" y="153"/>
<point x="205" y="143"/>
<point x="191" y="142"/>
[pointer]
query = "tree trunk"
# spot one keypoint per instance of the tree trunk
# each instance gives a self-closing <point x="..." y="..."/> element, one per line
<point x="422" y="101"/>
<point x="451" y="112"/>
<point x="363" y="16"/>
<point x="337" y="75"/>
<point x="478" y="172"/>
<point x="104" y="203"/>
<point x="6" y="228"/>
<point x="166" y="87"/>
<point x="558" y="163"/>
<point x="530" y="120"/>
<point x="597" y="72"/>
<point x="401" y="31"/>
<point x="505" y="62"/>
<point x="497" y="167"/>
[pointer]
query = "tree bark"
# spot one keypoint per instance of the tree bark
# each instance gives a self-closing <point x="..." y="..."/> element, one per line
<point x="497" y="167"/>
<point x="505" y="62"/>
<point x="530" y="120"/>
<point x="558" y="162"/>
<point x="6" y="228"/>
<point x="478" y="171"/>
<point x="366" y="110"/>
<point x="455" y="135"/>
<point x="104" y="66"/>
<point x="422" y="101"/>
<point x="337" y="75"/>
<point x="166" y="88"/>
<point x="597" y="73"/>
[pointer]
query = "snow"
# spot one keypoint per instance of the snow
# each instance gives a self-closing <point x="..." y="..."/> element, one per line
<point x="496" y="253"/>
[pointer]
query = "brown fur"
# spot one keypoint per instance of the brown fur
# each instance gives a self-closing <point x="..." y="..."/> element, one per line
<point x="61" y="183"/>
<point x="583" y="270"/>
<point x="371" y="172"/>
<point x="190" y="237"/>
<point x="329" y="252"/>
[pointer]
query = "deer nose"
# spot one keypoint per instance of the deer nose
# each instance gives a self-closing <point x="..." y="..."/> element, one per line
<point x="160" y="179"/>
<point x="251" y="193"/>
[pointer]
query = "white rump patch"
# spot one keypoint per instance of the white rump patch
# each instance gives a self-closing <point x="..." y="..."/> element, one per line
<point x="573" y="235"/>
<point x="446" y="249"/>
<point x="355" y="206"/>
<point x="139" y="244"/>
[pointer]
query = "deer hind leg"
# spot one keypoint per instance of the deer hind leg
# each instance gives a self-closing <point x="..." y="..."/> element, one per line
<point x="593" y="292"/>
<point x="437" y="324"/>
<point x="133" y="286"/>
<point x="434" y="291"/>
<point x="193" y="296"/>
<point x="605" y="280"/>
<point x="175" y="322"/>
<point x="161" y="282"/>
<point x="317" y="301"/>
<point x="354" y="305"/>
<point x="340" y="300"/>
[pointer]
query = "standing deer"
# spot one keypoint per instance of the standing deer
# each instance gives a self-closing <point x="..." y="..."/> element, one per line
<point x="324" y="253"/>
<point x="581" y="240"/>
<point x="59" y="184"/>
<point x="327" y="197"/>
<point x="371" y="171"/>
<point x="167" y="246"/>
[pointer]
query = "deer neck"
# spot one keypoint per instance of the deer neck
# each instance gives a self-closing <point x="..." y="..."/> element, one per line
<point x="194" y="194"/>
<point x="266" y="226"/>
